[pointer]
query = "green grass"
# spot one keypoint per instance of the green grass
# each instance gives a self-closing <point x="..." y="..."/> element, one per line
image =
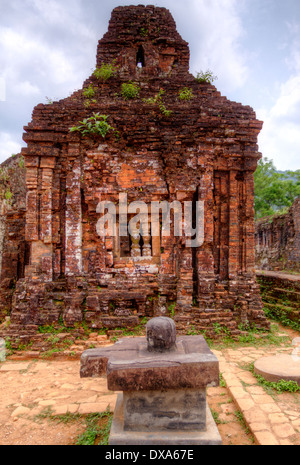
<point x="254" y="337"/>
<point x="216" y="418"/>
<point x="97" y="429"/>
<point x="241" y="421"/>
<point x="281" y="316"/>
<point x="97" y="425"/>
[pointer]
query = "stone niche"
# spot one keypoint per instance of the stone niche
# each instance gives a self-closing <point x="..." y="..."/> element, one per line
<point x="205" y="150"/>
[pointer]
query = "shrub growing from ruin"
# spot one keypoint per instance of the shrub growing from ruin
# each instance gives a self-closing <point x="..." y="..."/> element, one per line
<point x="206" y="77"/>
<point x="186" y="94"/>
<point x="105" y="71"/>
<point x="130" y="90"/>
<point x="96" y="124"/>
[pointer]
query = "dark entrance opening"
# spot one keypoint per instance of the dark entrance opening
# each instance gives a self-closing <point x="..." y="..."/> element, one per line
<point x="140" y="57"/>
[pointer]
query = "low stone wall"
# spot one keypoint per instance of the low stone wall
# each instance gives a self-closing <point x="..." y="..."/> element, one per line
<point x="281" y="296"/>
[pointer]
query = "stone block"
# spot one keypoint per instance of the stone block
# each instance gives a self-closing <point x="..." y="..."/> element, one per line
<point x="169" y="410"/>
<point x="118" y="436"/>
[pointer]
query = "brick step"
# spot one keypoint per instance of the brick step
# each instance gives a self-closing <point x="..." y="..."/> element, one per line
<point x="277" y="302"/>
<point x="291" y="293"/>
<point x="271" y="298"/>
<point x="283" y="307"/>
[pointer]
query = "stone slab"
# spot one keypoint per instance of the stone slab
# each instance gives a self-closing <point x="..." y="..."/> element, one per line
<point x="130" y="366"/>
<point x="120" y="437"/>
<point x="279" y="367"/>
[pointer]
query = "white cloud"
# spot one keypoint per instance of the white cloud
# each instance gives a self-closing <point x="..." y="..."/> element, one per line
<point x="218" y="27"/>
<point x="25" y="88"/>
<point x="293" y="60"/>
<point x="8" y="146"/>
<point x="280" y="143"/>
<point x="288" y="102"/>
<point x="280" y="137"/>
<point x="24" y="52"/>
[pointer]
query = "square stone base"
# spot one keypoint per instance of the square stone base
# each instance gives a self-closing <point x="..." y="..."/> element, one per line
<point x="151" y="411"/>
<point x="118" y="436"/>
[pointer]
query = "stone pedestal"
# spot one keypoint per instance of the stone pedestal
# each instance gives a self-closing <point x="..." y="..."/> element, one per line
<point x="163" y="380"/>
<point x="120" y="436"/>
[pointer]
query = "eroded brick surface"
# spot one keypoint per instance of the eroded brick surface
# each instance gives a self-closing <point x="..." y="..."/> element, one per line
<point x="278" y="241"/>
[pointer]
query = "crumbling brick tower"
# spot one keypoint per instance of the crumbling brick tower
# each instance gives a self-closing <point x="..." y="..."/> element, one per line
<point x="163" y="147"/>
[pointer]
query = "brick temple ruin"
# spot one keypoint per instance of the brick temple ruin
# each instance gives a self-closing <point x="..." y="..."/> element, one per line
<point x="277" y="241"/>
<point x="202" y="148"/>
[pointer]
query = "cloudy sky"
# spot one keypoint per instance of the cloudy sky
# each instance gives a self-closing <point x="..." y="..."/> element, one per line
<point x="48" y="48"/>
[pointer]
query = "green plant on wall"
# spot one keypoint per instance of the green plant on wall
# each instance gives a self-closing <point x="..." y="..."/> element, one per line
<point x="21" y="162"/>
<point x="206" y="76"/>
<point x="95" y="125"/>
<point x="157" y="100"/>
<point x="130" y="90"/>
<point x="171" y="309"/>
<point x="185" y="94"/>
<point x="144" y="31"/>
<point x="8" y="194"/>
<point x="106" y="71"/>
<point x="89" y="92"/>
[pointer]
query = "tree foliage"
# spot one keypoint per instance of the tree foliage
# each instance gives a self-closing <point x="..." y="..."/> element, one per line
<point x="275" y="191"/>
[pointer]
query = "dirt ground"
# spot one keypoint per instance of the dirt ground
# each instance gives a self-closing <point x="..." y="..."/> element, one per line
<point x="34" y="391"/>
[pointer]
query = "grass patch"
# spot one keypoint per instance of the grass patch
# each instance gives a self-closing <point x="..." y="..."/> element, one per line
<point x="216" y="418"/>
<point x="278" y="314"/>
<point x="241" y="420"/>
<point x="97" y="429"/>
<point x="97" y="425"/>
<point x="221" y="380"/>
<point x="253" y="338"/>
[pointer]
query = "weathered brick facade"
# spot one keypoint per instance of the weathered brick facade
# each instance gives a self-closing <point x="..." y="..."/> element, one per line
<point x="278" y="241"/>
<point x="13" y="248"/>
<point x="205" y="150"/>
